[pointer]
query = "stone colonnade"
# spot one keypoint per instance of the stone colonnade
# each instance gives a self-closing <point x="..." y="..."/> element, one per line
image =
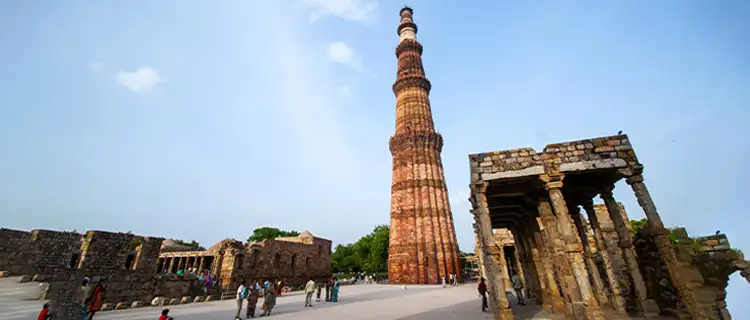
<point x="172" y="264"/>
<point x="557" y="258"/>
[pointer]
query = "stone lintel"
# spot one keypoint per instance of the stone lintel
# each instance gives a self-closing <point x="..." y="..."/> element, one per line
<point x="530" y="171"/>
<point x="593" y="164"/>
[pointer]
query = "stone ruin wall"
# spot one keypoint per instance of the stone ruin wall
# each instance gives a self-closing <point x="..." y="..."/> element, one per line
<point x="235" y="261"/>
<point x="604" y="152"/>
<point x="36" y="252"/>
<point x="712" y="260"/>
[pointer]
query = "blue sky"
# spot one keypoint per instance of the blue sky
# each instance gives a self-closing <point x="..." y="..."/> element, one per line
<point x="180" y="119"/>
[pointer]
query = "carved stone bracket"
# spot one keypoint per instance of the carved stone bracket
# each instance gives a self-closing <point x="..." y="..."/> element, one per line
<point x="409" y="45"/>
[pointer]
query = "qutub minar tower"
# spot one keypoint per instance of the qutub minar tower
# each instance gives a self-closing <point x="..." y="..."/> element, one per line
<point x="423" y="246"/>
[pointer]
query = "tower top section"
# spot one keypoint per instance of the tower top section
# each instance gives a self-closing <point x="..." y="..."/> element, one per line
<point x="407" y="29"/>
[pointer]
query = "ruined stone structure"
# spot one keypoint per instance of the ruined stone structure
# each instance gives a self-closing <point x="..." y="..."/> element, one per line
<point x="580" y="266"/>
<point x="293" y="259"/>
<point x="423" y="246"/>
<point x="133" y="269"/>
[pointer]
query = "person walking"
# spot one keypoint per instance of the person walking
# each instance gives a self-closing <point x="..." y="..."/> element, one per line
<point x="309" y="290"/>
<point x="84" y="295"/>
<point x="44" y="314"/>
<point x="269" y="300"/>
<point x="482" y="289"/>
<point x="317" y="296"/>
<point x="443" y="280"/>
<point x="252" y="300"/>
<point x="94" y="300"/>
<point x="329" y="289"/>
<point x="518" y="287"/>
<point x="242" y="293"/>
<point x="335" y="295"/>
<point x="165" y="315"/>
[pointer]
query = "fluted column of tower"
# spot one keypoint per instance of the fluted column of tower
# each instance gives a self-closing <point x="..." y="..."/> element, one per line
<point x="423" y="246"/>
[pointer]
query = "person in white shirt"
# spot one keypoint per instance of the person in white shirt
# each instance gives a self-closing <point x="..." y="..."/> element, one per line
<point x="242" y="293"/>
<point x="309" y="290"/>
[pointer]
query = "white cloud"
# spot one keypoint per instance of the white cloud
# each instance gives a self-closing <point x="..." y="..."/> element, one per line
<point x="339" y="52"/>
<point x="141" y="80"/>
<point x="353" y="10"/>
<point x="95" y="67"/>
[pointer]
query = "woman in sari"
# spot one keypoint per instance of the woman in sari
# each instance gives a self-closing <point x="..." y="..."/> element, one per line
<point x="269" y="300"/>
<point x="335" y="296"/>
<point x="94" y="301"/>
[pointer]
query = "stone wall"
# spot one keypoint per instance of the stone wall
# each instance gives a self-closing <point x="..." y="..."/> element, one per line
<point x="38" y="251"/>
<point x="712" y="261"/>
<point x="603" y="152"/>
<point x="291" y="258"/>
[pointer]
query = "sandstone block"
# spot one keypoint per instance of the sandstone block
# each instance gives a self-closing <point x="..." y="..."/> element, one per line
<point x="209" y="298"/>
<point x="158" y="301"/>
<point x="186" y="299"/>
<point x="198" y="299"/>
<point x="712" y="242"/>
<point x="174" y="301"/>
<point x="122" y="305"/>
<point x="604" y="149"/>
<point x="108" y="307"/>
<point x="138" y="304"/>
<point x="23" y="279"/>
<point x="4" y="274"/>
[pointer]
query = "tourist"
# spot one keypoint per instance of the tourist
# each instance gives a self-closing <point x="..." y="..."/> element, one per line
<point x="482" y="288"/>
<point x="269" y="300"/>
<point x="455" y="280"/>
<point x="165" y="315"/>
<point x="44" y="314"/>
<point x="444" y="284"/>
<point x="335" y="295"/>
<point x="309" y="290"/>
<point x="517" y="287"/>
<point x="317" y="296"/>
<point x="84" y="294"/>
<point x="252" y="300"/>
<point x="94" y="300"/>
<point x="282" y="284"/>
<point x="242" y="293"/>
<point x="329" y="289"/>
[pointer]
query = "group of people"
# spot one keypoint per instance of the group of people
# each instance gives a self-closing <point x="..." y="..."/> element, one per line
<point x="270" y="290"/>
<point x="453" y="280"/>
<point x="517" y="284"/>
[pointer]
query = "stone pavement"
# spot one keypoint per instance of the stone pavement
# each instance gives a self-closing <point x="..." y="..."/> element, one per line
<point x="356" y="302"/>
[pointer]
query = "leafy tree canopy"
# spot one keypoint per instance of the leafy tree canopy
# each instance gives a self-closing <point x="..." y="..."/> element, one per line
<point x="369" y="254"/>
<point x="265" y="233"/>
<point x="192" y="244"/>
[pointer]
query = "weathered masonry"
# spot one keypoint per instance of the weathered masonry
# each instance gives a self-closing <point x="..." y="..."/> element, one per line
<point x="291" y="258"/>
<point x="423" y="246"/>
<point x="580" y="266"/>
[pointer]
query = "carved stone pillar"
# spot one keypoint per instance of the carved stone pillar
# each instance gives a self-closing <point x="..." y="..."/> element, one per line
<point x="612" y="267"/>
<point x="201" y="267"/>
<point x="574" y="250"/>
<point x="648" y="306"/>
<point x="596" y="279"/>
<point x="548" y="270"/>
<point x="497" y="298"/>
<point x="478" y="252"/>
<point x="522" y="265"/>
<point x="171" y="265"/>
<point x="679" y="271"/>
<point x="560" y="261"/>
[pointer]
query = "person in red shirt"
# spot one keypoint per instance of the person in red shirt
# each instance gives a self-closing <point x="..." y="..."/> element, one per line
<point x="44" y="314"/>
<point x="482" y="288"/>
<point x="165" y="315"/>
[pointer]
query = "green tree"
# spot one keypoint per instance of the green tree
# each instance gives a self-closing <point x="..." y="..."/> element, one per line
<point x="265" y="233"/>
<point x="194" y="245"/>
<point x="368" y="254"/>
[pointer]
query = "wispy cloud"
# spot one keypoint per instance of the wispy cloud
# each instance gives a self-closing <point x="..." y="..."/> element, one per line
<point x="141" y="80"/>
<point x="353" y="10"/>
<point x="339" y="52"/>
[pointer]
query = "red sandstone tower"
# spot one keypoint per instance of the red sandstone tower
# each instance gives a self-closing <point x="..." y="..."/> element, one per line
<point x="423" y="246"/>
